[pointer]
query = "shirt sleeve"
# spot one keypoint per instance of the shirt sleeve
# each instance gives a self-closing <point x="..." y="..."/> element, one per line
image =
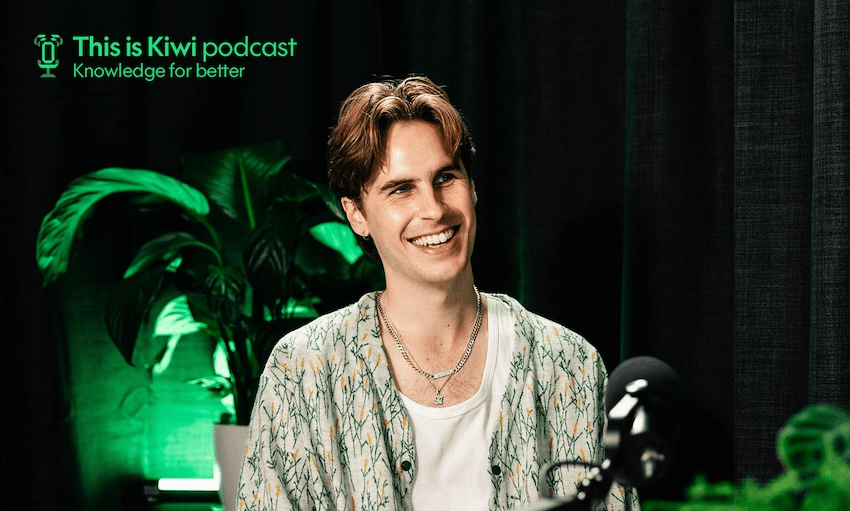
<point x="619" y="498"/>
<point x="273" y="475"/>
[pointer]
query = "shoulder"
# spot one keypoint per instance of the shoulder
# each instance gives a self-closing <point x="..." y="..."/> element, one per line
<point x="543" y="339"/>
<point x="535" y="325"/>
<point x="328" y="333"/>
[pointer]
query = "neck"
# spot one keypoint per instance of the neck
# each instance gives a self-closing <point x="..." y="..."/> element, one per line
<point x="433" y="315"/>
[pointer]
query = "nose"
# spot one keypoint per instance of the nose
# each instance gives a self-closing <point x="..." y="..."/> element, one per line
<point x="430" y="203"/>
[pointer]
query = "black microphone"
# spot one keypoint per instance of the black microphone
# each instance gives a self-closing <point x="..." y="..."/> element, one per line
<point x="646" y="405"/>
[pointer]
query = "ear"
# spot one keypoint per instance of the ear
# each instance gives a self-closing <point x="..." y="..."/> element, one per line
<point x="355" y="217"/>
<point x="474" y="195"/>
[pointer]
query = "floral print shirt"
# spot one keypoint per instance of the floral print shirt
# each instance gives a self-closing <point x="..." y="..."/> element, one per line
<point x="329" y="430"/>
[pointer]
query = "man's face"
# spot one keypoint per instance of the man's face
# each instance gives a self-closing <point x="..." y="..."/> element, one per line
<point x="418" y="208"/>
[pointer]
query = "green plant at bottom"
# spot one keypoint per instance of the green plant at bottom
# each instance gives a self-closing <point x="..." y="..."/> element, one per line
<point x="814" y="446"/>
<point x="242" y="248"/>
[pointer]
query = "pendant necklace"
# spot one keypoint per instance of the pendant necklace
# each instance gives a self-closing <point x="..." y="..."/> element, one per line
<point x="438" y="398"/>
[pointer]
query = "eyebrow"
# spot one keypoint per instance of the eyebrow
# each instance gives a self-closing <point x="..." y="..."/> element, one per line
<point x="398" y="182"/>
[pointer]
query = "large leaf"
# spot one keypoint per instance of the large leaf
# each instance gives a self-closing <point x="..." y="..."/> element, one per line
<point x="287" y="186"/>
<point x="164" y="249"/>
<point x="315" y="258"/>
<point x="226" y="288"/>
<point x="236" y="179"/>
<point x="175" y="320"/>
<point x="128" y="306"/>
<point x="58" y="228"/>
<point x="200" y="310"/>
<point x="267" y="257"/>
<point x="339" y="237"/>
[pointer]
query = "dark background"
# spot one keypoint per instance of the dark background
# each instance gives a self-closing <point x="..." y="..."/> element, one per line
<point x="666" y="178"/>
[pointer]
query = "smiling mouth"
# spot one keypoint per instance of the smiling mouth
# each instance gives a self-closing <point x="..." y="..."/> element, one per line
<point x="433" y="240"/>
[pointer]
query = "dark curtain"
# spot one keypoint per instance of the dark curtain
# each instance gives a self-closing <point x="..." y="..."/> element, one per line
<point x="791" y="217"/>
<point x="678" y="280"/>
<point x="666" y="178"/>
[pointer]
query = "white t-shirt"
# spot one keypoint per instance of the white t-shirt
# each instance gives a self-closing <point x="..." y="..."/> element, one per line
<point x="453" y="443"/>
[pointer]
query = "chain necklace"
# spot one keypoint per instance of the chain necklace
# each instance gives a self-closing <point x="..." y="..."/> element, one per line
<point x="438" y="398"/>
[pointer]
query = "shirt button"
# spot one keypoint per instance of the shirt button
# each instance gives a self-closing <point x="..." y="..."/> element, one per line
<point x="497" y="470"/>
<point x="405" y="465"/>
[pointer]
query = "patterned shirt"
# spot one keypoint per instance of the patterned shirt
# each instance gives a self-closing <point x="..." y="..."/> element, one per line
<point x="329" y="430"/>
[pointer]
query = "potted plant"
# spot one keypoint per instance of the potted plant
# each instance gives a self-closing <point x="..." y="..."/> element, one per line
<point x="814" y="449"/>
<point x="250" y="250"/>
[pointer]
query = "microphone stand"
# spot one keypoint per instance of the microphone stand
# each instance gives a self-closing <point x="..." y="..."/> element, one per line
<point x="594" y="488"/>
<point x="627" y="419"/>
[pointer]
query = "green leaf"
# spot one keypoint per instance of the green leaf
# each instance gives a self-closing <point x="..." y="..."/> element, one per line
<point x="175" y="320"/>
<point x="59" y="226"/>
<point x="295" y="309"/>
<point x="218" y="385"/>
<point x="159" y="366"/>
<point x="200" y="310"/>
<point x="332" y="202"/>
<point x="315" y="258"/>
<point x="127" y="307"/>
<point x="226" y="287"/>
<point x="267" y="258"/>
<point x="220" y="360"/>
<point x="236" y="179"/>
<point x="165" y="248"/>
<point x="290" y="187"/>
<point x="339" y="237"/>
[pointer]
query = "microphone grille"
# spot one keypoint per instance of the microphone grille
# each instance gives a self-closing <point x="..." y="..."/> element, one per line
<point x="663" y="382"/>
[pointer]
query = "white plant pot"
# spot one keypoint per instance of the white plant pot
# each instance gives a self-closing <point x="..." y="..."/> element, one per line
<point x="229" y="451"/>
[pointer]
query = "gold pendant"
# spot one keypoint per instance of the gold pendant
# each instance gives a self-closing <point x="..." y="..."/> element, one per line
<point x="438" y="399"/>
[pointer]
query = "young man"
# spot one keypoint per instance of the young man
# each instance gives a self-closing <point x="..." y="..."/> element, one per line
<point x="429" y="394"/>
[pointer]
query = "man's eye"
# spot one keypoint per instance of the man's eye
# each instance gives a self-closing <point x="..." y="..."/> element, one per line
<point x="445" y="178"/>
<point x="402" y="189"/>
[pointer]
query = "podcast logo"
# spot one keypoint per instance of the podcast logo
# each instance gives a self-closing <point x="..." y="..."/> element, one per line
<point x="48" y="60"/>
<point x="157" y="57"/>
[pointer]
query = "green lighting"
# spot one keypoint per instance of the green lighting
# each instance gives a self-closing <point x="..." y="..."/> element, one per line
<point x="339" y="237"/>
<point x="175" y="320"/>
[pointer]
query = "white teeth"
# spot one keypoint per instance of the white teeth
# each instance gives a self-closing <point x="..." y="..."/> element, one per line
<point x="434" y="239"/>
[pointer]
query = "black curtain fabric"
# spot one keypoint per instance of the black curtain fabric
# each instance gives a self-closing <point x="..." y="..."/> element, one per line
<point x="666" y="178"/>
<point x="678" y="280"/>
<point x="791" y="206"/>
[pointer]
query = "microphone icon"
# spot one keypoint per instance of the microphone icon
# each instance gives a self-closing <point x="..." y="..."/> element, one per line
<point x="48" y="60"/>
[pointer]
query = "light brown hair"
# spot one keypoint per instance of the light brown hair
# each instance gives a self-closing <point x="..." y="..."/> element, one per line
<point x="357" y="145"/>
